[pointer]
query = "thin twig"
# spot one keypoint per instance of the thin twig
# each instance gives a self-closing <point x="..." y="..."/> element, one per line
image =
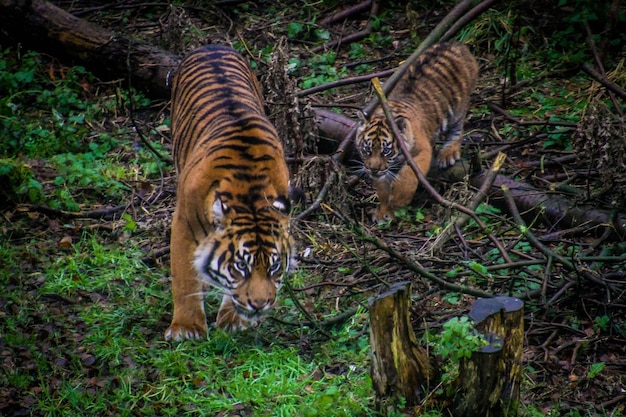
<point x="360" y="232"/>
<point x="354" y="36"/>
<point x="321" y="196"/>
<point x="305" y="313"/>
<point x="604" y="81"/>
<point x="345" y="81"/>
<point x="599" y="65"/>
<point x="413" y="266"/>
<point x="479" y="197"/>
<point x="466" y="18"/>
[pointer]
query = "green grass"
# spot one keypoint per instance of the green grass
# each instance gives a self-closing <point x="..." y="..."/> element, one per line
<point x="105" y="351"/>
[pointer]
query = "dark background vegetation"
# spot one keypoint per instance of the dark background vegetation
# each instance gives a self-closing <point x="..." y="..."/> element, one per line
<point x="84" y="165"/>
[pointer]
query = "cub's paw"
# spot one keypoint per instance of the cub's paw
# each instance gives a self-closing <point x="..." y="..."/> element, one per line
<point x="179" y="331"/>
<point x="382" y="216"/>
<point x="448" y="156"/>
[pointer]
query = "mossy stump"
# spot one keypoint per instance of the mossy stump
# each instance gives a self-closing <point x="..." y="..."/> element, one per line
<point x="489" y="381"/>
<point x="400" y="366"/>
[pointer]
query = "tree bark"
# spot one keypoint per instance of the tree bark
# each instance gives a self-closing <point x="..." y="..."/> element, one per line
<point x="400" y="366"/>
<point x="43" y="26"/>
<point x="489" y="381"/>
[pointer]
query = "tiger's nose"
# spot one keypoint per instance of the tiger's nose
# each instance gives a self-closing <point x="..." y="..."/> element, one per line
<point x="377" y="173"/>
<point x="259" y="303"/>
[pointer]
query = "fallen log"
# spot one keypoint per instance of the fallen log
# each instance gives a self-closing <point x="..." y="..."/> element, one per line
<point x="553" y="210"/>
<point x="44" y="27"/>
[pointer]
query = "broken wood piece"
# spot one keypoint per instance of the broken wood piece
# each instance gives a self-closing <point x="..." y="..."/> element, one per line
<point x="489" y="381"/>
<point x="344" y="14"/>
<point x="43" y="26"/>
<point x="400" y="366"/>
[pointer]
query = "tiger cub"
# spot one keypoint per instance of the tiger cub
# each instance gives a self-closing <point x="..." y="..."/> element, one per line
<point x="429" y="101"/>
<point x="231" y="223"/>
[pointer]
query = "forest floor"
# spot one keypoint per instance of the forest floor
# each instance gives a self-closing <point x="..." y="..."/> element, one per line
<point x="66" y="240"/>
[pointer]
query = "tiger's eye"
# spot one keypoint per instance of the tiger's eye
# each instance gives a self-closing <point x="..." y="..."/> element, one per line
<point x="275" y="267"/>
<point x="241" y="266"/>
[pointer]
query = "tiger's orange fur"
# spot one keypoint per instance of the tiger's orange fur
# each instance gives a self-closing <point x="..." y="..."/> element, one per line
<point x="429" y="101"/>
<point x="231" y="224"/>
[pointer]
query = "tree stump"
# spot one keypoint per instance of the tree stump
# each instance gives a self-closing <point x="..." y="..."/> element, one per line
<point x="400" y="367"/>
<point x="489" y="381"/>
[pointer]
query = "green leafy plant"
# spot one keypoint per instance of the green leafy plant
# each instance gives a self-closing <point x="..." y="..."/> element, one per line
<point x="18" y="182"/>
<point x="457" y="341"/>
<point x="322" y="70"/>
<point x="595" y="369"/>
<point x="601" y="323"/>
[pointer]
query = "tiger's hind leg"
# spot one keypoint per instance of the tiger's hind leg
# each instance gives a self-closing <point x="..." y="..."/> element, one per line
<point x="450" y="152"/>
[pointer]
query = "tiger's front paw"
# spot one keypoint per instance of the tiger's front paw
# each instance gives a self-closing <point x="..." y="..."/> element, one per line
<point x="186" y="331"/>
<point x="229" y="320"/>
<point x="383" y="215"/>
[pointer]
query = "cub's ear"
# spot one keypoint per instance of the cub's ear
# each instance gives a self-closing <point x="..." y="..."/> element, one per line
<point x="282" y="204"/>
<point x="218" y="213"/>
<point x="361" y="123"/>
<point x="405" y="128"/>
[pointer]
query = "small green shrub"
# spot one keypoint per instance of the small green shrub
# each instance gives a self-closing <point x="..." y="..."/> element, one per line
<point x="456" y="342"/>
<point x="18" y="183"/>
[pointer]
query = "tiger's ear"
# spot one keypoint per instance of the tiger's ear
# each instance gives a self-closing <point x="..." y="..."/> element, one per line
<point x="361" y="116"/>
<point x="282" y="204"/>
<point x="218" y="212"/>
<point x="360" y="124"/>
<point x="405" y="129"/>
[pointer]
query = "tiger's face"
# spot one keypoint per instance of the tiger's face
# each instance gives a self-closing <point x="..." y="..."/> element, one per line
<point x="381" y="156"/>
<point x="245" y="261"/>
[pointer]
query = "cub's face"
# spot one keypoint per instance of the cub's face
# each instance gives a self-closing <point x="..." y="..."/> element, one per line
<point x="378" y="149"/>
<point x="246" y="258"/>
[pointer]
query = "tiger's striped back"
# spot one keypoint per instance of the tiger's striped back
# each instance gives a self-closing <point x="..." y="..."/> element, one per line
<point x="231" y="224"/>
<point x="213" y="89"/>
<point x="438" y="87"/>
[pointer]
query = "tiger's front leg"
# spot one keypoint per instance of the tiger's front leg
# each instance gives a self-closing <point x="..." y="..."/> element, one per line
<point x="403" y="188"/>
<point x="383" y="190"/>
<point x="189" y="320"/>
<point x="450" y="152"/>
<point x="228" y="318"/>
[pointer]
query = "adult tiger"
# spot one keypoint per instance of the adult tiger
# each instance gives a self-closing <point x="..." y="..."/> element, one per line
<point x="231" y="224"/>
<point x="429" y="101"/>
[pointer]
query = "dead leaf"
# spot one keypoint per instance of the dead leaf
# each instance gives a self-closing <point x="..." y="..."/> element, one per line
<point x="66" y="242"/>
